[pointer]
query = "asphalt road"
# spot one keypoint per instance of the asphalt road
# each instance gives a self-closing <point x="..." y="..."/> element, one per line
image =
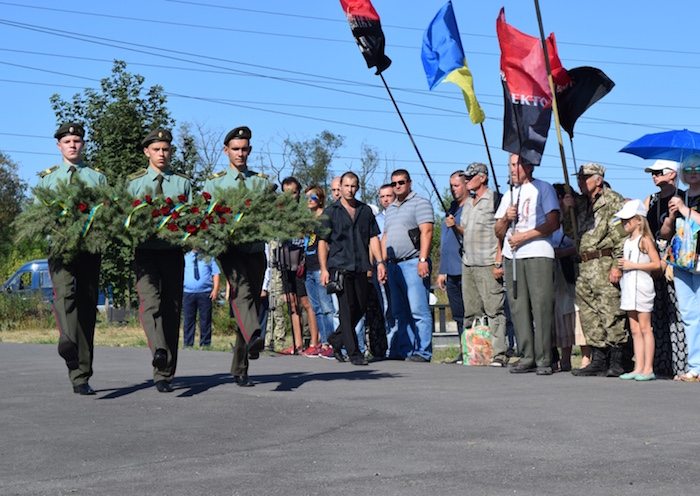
<point x="314" y="426"/>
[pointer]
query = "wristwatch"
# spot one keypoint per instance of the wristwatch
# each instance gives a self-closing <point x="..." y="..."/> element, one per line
<point x="421" y="259"/>
<point x="381" y="262"/>
<point x="498" y="265"/>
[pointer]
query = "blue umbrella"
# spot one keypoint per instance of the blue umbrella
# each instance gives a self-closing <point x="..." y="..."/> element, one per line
<point x="669" y="145"/>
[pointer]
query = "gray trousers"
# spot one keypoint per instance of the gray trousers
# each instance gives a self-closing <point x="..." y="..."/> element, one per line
<point x="534" y="304"/>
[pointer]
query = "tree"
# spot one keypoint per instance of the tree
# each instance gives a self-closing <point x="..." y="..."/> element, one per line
<point x="310" y="159"/>
<point x="369" y="190"/>
<point x="12" y="197"/>
<point x="116" y="118"/>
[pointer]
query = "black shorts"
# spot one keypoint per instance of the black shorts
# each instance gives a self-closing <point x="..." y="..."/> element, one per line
<point x="293" y="284"/>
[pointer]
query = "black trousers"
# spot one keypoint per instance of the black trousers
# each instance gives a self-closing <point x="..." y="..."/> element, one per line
<point x="159" y="279"/>
<point x="75" y="289"/>
<point x="244" y="273"/>
<point x="352" y="305"/>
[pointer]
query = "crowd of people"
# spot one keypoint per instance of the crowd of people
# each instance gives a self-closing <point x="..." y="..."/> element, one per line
<point x="553" y="268"/>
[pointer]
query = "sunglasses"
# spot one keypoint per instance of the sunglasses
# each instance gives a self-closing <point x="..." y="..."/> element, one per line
<point x="658" y="172"/>
<point x="397" y="183"/>
<point x="312" y="197"/>
<point x="692" y="170"/>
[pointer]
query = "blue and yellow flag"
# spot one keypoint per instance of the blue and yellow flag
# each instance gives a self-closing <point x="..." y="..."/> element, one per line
<point x="443" y="59"/>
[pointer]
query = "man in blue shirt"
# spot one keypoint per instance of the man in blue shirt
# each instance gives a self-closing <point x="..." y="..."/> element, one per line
<point x="201" y="287"/>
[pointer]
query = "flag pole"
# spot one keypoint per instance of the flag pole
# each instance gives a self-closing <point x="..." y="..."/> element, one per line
<point x="488" y="153"/>
<point x="444" y="208"/>
<point x="555" y="111"/>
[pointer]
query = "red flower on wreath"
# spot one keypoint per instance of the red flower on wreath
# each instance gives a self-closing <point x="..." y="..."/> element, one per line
<point x="248" y="202"/>
<point x="210" y="219"/>
<point x="280" y="206"/>
<point x="222" y="220"/>
<point x="82" y="207"/>
<point x="155" y="213"/>
<point x="227" y="210"/>
<point x="172" y="227"/>
<point x="203" y="225"/>
<point x="182" y="198"/>
<point x="218" y="209"/>
<point x="169" y="201"/>
<point x="175" y="214"/>
<point x="149" y="199"/>
<point x="136" y="203"/>
<point x="164" y="210"/>
<point x="194" y="210"/>
<point x="191" y="229"/>
<point x="206" y="196"/>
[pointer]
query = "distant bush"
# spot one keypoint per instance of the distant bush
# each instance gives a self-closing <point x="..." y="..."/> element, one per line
<point x="22" y="311"/>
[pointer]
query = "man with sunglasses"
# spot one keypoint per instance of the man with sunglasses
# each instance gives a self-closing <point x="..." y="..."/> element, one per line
<point x="408" y="233"/>
<point x="243" y="264"/>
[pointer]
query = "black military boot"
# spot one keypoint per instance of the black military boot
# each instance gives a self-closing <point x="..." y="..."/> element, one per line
<point x="615" y="369"/>
<point x="598" y="366"/>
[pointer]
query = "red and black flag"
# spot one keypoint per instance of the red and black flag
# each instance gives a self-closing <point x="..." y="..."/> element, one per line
<point x="588" y="85"/>
<point x="367" y="30"/>
<point x="528" y="99"/>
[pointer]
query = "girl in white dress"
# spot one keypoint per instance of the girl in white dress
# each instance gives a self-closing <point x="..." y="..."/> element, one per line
<point x="640" y="258"/>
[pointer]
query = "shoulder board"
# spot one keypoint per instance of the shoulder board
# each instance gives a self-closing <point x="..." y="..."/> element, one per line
<point x="48" y="171"/>
<point x="182" y="175"/>
<point x="218" y="174"/>
<point x="137" y="174"/>
<point x="260" y="174"/>
<point x="94" y="168"/>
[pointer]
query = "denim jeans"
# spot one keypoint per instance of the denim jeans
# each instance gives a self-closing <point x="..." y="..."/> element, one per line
<point x="322" y="304"/>
<point x="412" y="332"/>
<point x="688" y="292"/>
<point x="453" y="288"/>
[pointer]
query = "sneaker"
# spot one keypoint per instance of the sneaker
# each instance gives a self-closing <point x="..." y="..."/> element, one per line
<point x="417" y="359"/>
<point x="326" y="353"/>
<point x="338" y="355"/>
<point x="311" y="351"/>
<point x="290" y="351"/>
<point x="499" y="361"/>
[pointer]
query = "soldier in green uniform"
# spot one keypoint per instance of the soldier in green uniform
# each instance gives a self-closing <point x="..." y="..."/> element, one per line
<point x="597" y="285"/>
<point x="159" y="265"/>
<point x="242" y="264"/>
<point x="75" y="284"/>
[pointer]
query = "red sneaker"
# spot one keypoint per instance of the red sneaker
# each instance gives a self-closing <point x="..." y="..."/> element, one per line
<point x="290" y="351"/>
<point x="312" y="351"/>
<point x="326" y="353"/>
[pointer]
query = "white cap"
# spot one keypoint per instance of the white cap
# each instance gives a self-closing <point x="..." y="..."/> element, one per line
<point x="663" y="164"/>
<point x="632" y="208"/>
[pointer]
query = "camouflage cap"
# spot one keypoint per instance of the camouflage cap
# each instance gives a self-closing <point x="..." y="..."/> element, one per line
<point x="69" y="129"/>
<point x="158" y="134"/>
<point x="590" y="169"/>
<point x="242" y="132"/>
<point x="476" y="168"/>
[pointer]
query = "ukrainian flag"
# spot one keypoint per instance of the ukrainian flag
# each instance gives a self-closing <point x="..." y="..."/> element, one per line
<point x="443" y="59"/>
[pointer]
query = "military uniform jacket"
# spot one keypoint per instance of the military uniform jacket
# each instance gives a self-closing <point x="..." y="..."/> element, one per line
<point x="232" y="178"/>
<point x="51" y="177"/>
<point x="596" y="229"/>
<point x="145" y="182"/>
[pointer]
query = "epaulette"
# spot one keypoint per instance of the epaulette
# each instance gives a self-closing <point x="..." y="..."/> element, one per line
<point x="137" y="174"/>
<point x="217" y="175"/>
<point x="260" y="174"/>
<point x="185" y="176"/>
<point x="48" y="171"/>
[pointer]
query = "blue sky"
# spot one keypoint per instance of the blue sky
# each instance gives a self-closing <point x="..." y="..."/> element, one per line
<point x="292" y="69"/>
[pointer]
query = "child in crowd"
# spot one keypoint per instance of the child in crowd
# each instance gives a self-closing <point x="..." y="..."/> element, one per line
<point x="640" y="258"/>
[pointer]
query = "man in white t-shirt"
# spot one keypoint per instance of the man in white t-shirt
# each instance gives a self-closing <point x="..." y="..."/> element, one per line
<point x="526" y="217"/>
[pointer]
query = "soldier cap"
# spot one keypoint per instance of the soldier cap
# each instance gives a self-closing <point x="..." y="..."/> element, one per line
<point x="590" y="169"/>
<point x="242" y="132"/>
<point x="476" y="168"/>
<point x="158" y="134"/>
<point x="69" y="129"/>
